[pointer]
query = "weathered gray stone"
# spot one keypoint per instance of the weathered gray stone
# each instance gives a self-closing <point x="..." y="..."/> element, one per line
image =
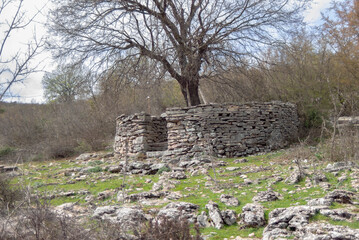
<point x="229" y="217"/>
<point x="202" y="220"/>
<point x="215" y="214"/>
<point x="242" y="160"/>
<point x="252" y="215"/>
<point x="284" y="222"/>
<point x="178" y="175"/>
<point x="337" y="214"/>
<point x="115" y="169"/>
<point x="266" y="196"/>
<point x="85" y="157"/>
<point x="319" y="177"/>
<point x="105" y="194"/>
<point x="341" y="196"/>
<point x="325" y="231"/>
<point x="232" y="168"/>
<point x="320" y="202"/>
<point x="100" y="212"/>
<point x="338" y="166"/>
<point x="295" y="177"/>
<point x="179" y="210"/>
<point x="229" y="200"/>
<point x="145" y="195"/>
<point x="130" y="217"/>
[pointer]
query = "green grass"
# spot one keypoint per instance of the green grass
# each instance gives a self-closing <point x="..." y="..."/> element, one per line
<point x="95" y="163"/>
<point x="40" y="175"/>
<point x="95" y="169"/>
<point x="318" y="217"/>
<point x="228" y="231"/>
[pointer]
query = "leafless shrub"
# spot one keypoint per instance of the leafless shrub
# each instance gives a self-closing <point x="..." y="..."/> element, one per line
<point x="166" y="228"/>
<point x="36" y="221"/>
<point x="55" y="130"/>
<point x="9" y="195"/>
<point x="32" y="218"/>
<point x="343" y="147"/>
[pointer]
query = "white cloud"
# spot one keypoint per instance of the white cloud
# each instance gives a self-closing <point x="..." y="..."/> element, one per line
<point x="312" y="16"/>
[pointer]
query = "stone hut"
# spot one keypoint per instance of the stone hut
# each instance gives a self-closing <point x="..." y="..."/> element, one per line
<point x="226" y="130"/>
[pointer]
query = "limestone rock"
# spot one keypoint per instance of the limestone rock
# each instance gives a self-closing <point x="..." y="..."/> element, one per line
<point x="121" y="196"/>
<point x="341" y="196"/>
<point x="115" y="169"/>
<point x="139" y="166"/>
<point x="319" y="177"/>
<point x="294" y="177"/>
<point x="179" y="210"/>
<point x="146" y="195"/>
<point x="85" y="157"/>
<point x="252" y="215"/>
<point x="187" y="164"/>
<point x="266" y="196"/>
<point x="325" y="231"/>
<point x="325" y="186"/>
<point x="70" y="210"/>
<point x="320" y="202"/>
<point x="105" y="194"/>
<point x="215" y="214"/>
<point x="178" y="175"/>
<point x="229" y="217"/>
<point x="202" y="220"/>
<point x="337" y="214"/>
<point x="105" y="212"/>
<point x="127" y="218"/>
<point x="130" y="218"/>
<point x="283" y="222"/>
<point x="242" y="160"/>
<point x="338" y="166"/>
<point x="229" y="200"/>
<point x="232" y="169"/>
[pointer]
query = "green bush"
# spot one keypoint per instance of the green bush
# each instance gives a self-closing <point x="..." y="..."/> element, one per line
<point x="4" y="151"/>
<point x="37" y="157"/>
<point x="95" y="163"/>
<point x="83" y="147"/>
<point x="313" y="118"/>
<point x="95" y="169"/>
<point x="164" y="169"/>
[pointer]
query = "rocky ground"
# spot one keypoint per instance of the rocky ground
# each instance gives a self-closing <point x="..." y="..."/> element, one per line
<point x="269" y="196"/>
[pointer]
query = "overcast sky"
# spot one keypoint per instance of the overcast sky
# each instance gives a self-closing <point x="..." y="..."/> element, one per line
<point x="31" y="90"/>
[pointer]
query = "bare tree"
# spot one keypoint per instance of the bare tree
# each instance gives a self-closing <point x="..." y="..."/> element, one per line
<point x="15" y="67"/>
<point x="187" y="38"/>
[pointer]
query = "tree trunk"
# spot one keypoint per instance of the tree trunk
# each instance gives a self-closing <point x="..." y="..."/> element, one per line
<point x="190" y="92"/>
<point x="193" y="94"/>
<point x="184" y="93"/>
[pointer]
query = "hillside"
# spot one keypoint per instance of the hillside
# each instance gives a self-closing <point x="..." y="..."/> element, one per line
<point x="289" y="193"/>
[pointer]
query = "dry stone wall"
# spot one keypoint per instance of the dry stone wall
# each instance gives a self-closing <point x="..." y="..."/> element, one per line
<point x="226" y="130"/>
<point x="140" y="133"/>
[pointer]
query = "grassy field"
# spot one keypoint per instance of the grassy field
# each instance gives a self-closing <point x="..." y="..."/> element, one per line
<point x="51" y="178"/>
